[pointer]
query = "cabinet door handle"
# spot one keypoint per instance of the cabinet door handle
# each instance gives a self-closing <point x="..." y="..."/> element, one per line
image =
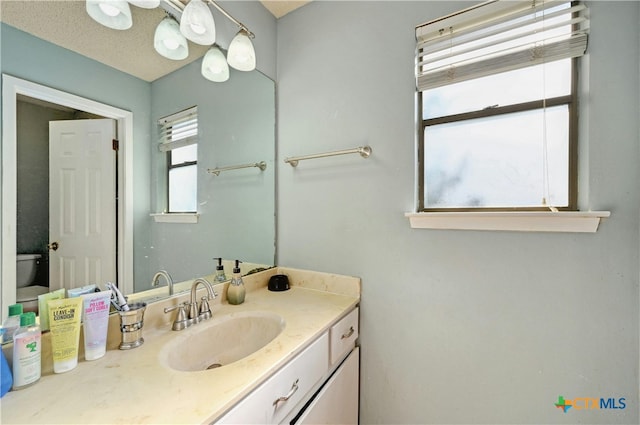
<point x="293" y="390"/>
<point x="348" y="334"/>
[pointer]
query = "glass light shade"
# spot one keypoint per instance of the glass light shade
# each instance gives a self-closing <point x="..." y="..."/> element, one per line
<point x="169" y="42"/>
<point x="114" y="14"/>
<point x="197" y="23"/>
<point x="145" y="4"/>
<point x="214" y="66"/>
<point x="242" y="55"/>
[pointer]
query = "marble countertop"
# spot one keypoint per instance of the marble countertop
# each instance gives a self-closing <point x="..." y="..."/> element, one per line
<point x="134" y="386"/>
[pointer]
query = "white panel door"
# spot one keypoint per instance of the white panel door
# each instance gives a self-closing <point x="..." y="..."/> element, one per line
<point x="82" y="203"/>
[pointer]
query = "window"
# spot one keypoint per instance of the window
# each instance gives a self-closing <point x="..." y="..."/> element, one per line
<point x="497" y="107"/>
<point x="179" y="139"/>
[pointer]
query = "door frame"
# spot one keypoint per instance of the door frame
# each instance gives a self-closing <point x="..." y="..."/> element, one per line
<point x="11" y="88"/>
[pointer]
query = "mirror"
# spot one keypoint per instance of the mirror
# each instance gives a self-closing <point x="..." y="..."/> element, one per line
<point x="236" y="126"/>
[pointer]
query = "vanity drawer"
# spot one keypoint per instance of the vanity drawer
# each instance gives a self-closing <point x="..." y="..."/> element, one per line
<point x="343" y="335"/>
<point x="289" y="385"/>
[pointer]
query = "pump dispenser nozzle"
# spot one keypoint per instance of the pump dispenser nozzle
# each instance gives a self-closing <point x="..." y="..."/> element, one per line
<point x="219" y="266"/>
<point x="220" y="276"/>
<point x="236" y="269"/>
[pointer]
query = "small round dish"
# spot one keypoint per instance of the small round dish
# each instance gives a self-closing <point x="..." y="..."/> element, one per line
<point x="278" y="282"/>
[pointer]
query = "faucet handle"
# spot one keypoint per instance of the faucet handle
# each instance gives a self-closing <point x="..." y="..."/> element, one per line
<point x="193" y="312"/>
<point x="205" y="310"/>
<point x="181" y="321"/>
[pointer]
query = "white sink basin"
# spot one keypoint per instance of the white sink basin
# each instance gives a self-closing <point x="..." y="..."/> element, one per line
<point x="220" y="341"/>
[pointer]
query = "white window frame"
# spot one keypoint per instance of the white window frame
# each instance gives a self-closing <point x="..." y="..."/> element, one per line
<point x="171" y="139"/>
<point x="431" y="37"/>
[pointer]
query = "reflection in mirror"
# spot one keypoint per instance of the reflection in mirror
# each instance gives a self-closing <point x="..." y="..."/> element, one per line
<point x="236" y="210"/>
<point x="236" y="125"/>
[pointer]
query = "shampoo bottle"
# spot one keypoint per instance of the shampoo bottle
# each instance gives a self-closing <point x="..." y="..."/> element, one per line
<point x="27" y="354"/>
<point x="12" y="323"/>
<point x="235" y="290"/>
<point x="220" y="276"/>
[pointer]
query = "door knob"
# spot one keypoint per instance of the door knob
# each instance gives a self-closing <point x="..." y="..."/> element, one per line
<point x="53" y="246"/>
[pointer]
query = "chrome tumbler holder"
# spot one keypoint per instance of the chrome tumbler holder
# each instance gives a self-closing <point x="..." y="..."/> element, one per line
<point x="131" y="323"/>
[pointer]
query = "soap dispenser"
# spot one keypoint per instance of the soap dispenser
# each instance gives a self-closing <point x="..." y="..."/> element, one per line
<point x="235" y="290"/>
<point x="220" y="276"/>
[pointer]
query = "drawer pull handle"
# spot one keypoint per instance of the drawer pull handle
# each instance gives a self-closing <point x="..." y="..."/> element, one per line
<point x="293" y="390"/>
<point x="348" y="334"/>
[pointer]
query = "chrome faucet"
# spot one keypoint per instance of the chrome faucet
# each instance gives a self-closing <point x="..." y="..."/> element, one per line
<point x="192" y="315"/>
<point x="167" y="277"/>
<point x="204" y="312"/>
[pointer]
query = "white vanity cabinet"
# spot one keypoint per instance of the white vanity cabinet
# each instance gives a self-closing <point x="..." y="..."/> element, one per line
<point x="314" y="387"/>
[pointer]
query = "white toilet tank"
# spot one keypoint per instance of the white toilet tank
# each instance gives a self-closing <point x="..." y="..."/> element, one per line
<point x="26" y="269"/>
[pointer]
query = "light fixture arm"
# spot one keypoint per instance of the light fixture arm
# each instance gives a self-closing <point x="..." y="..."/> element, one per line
<point x="176" y="7"/>
<point x="231" y="18"/>
<point x="173" y="7"/>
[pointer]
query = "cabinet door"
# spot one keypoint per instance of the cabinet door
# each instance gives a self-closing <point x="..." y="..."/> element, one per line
<point x="337" y="402"/>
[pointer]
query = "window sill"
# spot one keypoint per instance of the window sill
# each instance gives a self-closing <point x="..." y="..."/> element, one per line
<point x="519" y="221"/>
<point x="190" y="218"/>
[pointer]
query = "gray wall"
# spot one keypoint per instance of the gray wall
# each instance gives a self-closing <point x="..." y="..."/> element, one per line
<point x="459" y="326"/>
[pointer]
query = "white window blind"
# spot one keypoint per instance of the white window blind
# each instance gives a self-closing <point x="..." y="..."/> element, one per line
<point x="498" y="36"/>
<point x="178" y="130"/>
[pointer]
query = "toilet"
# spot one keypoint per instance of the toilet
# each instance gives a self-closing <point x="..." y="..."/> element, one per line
<point x="27" y="289"/>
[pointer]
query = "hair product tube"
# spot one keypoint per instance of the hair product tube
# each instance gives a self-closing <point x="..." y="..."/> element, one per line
<point x="95" y="307"/>
<point x="64" y="322"/>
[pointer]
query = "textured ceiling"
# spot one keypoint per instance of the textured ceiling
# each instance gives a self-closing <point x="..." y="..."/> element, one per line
<point x="279" y="8"/>
<point x="67" y="24"/>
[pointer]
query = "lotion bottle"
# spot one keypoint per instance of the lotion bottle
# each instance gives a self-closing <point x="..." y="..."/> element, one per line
<point x="236" y="290"/>
<point x="27" y="352"/>
<point x="220" y="276"/>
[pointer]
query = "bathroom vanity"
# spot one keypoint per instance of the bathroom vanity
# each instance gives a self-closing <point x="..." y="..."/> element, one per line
<point x="308" y="372"/>
<point x="285" y="395"/>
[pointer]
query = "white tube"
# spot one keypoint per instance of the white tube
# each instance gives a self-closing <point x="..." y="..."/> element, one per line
<point x="76" y="292"/>
<point x="95" y="307"/>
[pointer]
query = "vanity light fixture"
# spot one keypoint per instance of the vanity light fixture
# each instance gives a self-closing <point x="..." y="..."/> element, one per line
<point x="242" y="55"/>
<point x="195" y="24"/>
<point x="114" y="14"/>
<point x="169" y="41"/>
<point x="214" y="65"/>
